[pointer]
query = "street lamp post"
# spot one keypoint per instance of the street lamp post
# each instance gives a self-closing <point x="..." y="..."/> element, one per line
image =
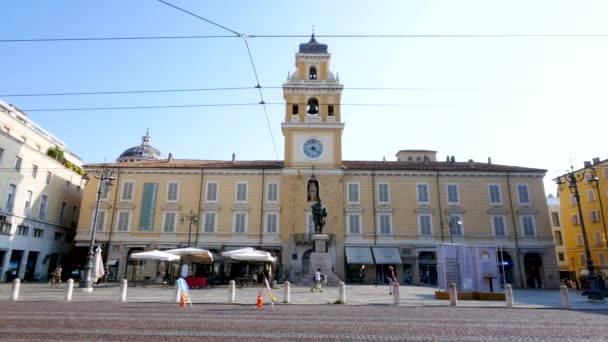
<point x="105" y="182"/>
<point x="453" y="223"/>
<point x="192" y="218"/>
<point x="593" y="294"/>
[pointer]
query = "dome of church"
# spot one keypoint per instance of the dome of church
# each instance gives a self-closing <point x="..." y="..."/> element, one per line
<point x="145" y="151"/>
<point x="313" y="46"/>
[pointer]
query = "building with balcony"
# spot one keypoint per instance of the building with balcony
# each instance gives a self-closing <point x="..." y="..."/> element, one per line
<point x="380" y="213"/>
<point x="40" y="197"/>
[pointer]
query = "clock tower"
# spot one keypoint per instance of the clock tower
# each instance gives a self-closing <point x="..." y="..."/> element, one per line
<point x="313" y="125"/>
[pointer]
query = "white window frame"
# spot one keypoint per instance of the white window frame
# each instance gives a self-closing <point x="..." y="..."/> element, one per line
<point x="38" y="233"/>
<point x="209" y="187"/>
<point x="268" y="222"/>
<point x="498" y="193"/>
<point x="532" y="220"/>
<point x="169" y="184"/>
<point x="521" y="186"/>
<point x="579" y="240"/>
<point x="245" y="190"/>
<point x="555" y="217"/>
<point x="105" y="190"/>
<point x="456" y="217"/>
<point x="389" y="220"/>
<point x="29" y="201"/>
<point x="423" y="193"/>
<point x="103" y="213"/>
<point x="572" y="200"/>
<point x="447" y="191"/>
<point x="43" y="207"/>
<point x="421" y="226"/>
<point x="269" y="194"/>
<point x="575" y="220"/>
<point x="210" y="227"/>
<point x="379" y="186"/>
<point x="23" y="230"/>
<point x="597" y="237"/>
<point x="9" y="198"/>
<point x="582" y="258"/>
<point x="590" y="195"/>
<point x="494" y="226"/>
<point x="235" y="222"/>
<point x="49" y="178"/>
<point x="601" y="257"/>
<point x="34" y="171"/>
<point x="350" y="221"/>
<point x="594" y="216"/>
<point x="63" y="213"/>
<point x="168" y="226"/>
<point x="127" y="191"/>
<point x="353" y="192"/>
<point x="18" y="162"/>
<point x="119" y="220"/>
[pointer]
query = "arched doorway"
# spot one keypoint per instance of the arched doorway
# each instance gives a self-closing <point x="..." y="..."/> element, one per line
<point x="505" y="267"/>
<point x="306" y="263"/>
<point x="532" y="264"/>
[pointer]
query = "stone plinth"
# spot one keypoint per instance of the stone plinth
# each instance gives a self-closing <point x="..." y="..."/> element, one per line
<point x="320" y="259"/>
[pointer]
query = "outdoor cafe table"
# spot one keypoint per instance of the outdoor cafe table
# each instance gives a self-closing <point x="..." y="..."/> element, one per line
<point x="196" y="282"/>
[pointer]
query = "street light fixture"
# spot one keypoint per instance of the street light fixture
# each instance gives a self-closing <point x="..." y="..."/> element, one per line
<point x="105" y="182"/>
<point x="593" y="294"/>
<point x="453" y="223"/>
<point x="193" y="219"/>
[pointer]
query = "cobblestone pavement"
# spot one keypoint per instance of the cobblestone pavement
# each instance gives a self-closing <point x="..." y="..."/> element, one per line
<point x="113" y="321"/>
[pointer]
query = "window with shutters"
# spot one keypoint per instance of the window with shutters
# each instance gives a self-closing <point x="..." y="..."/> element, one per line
<point x="353" y="193"/>
<point x="354" y="224"/>
<point x="579" y="240"/>
<point x="124" y="221"/>
<point x="582" y="259"/>
<point x="597" y="237"/>
<point x="38" y="233"/>
<point x="101" y="220"/>
<point x="384" y="224"/>
<point x="127" y="191"/>
<point x="209" y="224"/>
<point x="62" y="213"/>
<point x="212" y="191"/>
<point x="18" y="164"/>
<point x="383" y="194"/>
<point x="595" y="216"/>
<point x="572" y="200"/>
<point x="272" y="223"/>
<point x="42" y="211"/>
<point x="9" y="202"/>
<point x="422" y="192"/>
<point x="522" y="194"/>
<point x="575" y="220"/>
<point x="455" y="224"/>
<point x="498" y="224"/>
<point x="170" y="219"/>
<point x="557" y="236"/>
<point x="172" y="191"/>
<point x="29" y="196"/>
<point x="528" y="226"/>
<point x="272" y="192"/>
<point x="453" y="197"/>
<point x="23" y="230"/>
<point x="555" y="219"/>
<point x="34" y="171"/>
<point x="590" y="195"/>
<point x="241" y="192"/>
<point x="240" y="223"/>
<point x="424" y="225"/>
<point x="494" y="193"/>
<point x="601" y="258"/>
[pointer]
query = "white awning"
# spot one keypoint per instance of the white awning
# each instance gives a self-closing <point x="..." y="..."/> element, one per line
<point x="112" y="262"/>
<point x="386" y="255"/>
<point x="359" y="255"/>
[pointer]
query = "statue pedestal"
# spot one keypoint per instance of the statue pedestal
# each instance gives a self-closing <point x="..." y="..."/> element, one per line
<point x="320" y="259"/>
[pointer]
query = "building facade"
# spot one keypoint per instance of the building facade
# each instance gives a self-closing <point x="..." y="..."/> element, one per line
<point x="40" y="200"/>
<point x="380" y="213"/>
<point x="593" y="190"/>
<point x="561" y="252"/>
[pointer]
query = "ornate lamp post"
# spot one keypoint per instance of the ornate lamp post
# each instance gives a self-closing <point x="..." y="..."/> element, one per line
<point x="593" y="294"/>
<point x="193" y="219"/>
<point x="105" y="182"/>
<point x="453" y="224"/>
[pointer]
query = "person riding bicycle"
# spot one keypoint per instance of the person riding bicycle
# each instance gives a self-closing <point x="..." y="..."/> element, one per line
<point x="56" y="276"/>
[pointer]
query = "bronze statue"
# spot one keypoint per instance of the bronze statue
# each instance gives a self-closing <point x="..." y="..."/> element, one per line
<point x="319" y="212"/>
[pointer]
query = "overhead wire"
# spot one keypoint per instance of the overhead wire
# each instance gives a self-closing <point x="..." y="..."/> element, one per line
<point x="236" y="34"/>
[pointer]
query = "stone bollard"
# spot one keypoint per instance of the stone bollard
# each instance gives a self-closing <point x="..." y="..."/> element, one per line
<point x="287" y="294"/>
<point x="178" y="293"/>
<point x="509" y="295"/>
<point x="123" y="290"/>
<point x="396" y="295"/>
<point x="342" y="292"/>
<point x="69" y="290"/>
<point x="15" y="289"/>
<point x="563" y="293"/>
<point x="231" y="291"/>
<point x="453" y="293"/>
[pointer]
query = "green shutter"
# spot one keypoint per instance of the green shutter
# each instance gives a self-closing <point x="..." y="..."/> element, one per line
<point x="148" y="204"/>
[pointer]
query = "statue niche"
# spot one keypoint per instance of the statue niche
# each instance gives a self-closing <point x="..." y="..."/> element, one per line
<point x="312" y="190"/>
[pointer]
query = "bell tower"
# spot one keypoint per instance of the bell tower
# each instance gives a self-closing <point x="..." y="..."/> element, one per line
<point x="312" y="127"/>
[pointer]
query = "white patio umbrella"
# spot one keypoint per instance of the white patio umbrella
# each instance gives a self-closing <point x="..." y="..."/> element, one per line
<point x="154" y="255"/>
<point x="192" y="254"/>
<point x="98" y="268"/>
<point x="248" y="254"/>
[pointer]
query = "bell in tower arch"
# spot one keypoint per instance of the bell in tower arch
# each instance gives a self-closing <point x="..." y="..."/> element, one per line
<point x="313" y="106"/>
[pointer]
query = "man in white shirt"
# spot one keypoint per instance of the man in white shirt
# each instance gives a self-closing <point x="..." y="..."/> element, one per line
<point x="317" y="280"/>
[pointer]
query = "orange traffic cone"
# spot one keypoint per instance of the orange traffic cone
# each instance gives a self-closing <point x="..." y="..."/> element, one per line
<point x="182" y="302"/>
<point x="260" y="302"/>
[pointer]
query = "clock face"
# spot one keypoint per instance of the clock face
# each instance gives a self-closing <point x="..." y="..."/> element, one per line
<point x="313" y="148"/>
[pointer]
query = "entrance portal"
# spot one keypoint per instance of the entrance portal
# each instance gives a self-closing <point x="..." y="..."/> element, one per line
<point x="532" y="264"/>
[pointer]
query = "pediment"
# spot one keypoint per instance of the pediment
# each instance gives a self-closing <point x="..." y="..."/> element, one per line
<point x="456" y="209"/>
<point x="272" y="207"/>
<point x="240" y="207"/>
<point x="171" y="206"/>
<point x="424" y="209"/>
<point x="497" y="210"/>
<point x="354" y="208"/>
<point x="211" y="206"/>
<point x="102" y="205"/>
<point x="125" y="205"/>
<point x="527" y="210"/>
<point x="384" y="208"/>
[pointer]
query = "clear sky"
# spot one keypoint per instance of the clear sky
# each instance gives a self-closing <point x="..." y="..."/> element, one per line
<point x="526" y="101"/>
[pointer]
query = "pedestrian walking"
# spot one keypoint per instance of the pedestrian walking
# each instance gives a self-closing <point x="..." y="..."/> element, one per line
<point x="318" y="280"/>
<point x="390" y="276"/>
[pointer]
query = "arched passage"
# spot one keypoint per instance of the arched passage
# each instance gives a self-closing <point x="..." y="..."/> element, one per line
<point x="533" y="264"/>
<point x="505" y="267"/>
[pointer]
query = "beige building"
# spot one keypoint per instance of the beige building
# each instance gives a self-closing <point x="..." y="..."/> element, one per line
<point x="40" y="199"/>
<point x="380" y="213"/>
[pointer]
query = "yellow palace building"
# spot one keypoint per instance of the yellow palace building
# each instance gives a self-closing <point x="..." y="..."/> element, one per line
<point x="380" y="213"/>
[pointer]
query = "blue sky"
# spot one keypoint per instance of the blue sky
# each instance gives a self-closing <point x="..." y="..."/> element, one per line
<point x="540" y="101"/>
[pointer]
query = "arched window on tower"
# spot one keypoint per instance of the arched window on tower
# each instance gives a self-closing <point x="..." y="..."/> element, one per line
<point x="294" y="109"/>
<point x="312" y="74"/>
<point x="313" y="106"/>
<point x="330" y="110"/>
